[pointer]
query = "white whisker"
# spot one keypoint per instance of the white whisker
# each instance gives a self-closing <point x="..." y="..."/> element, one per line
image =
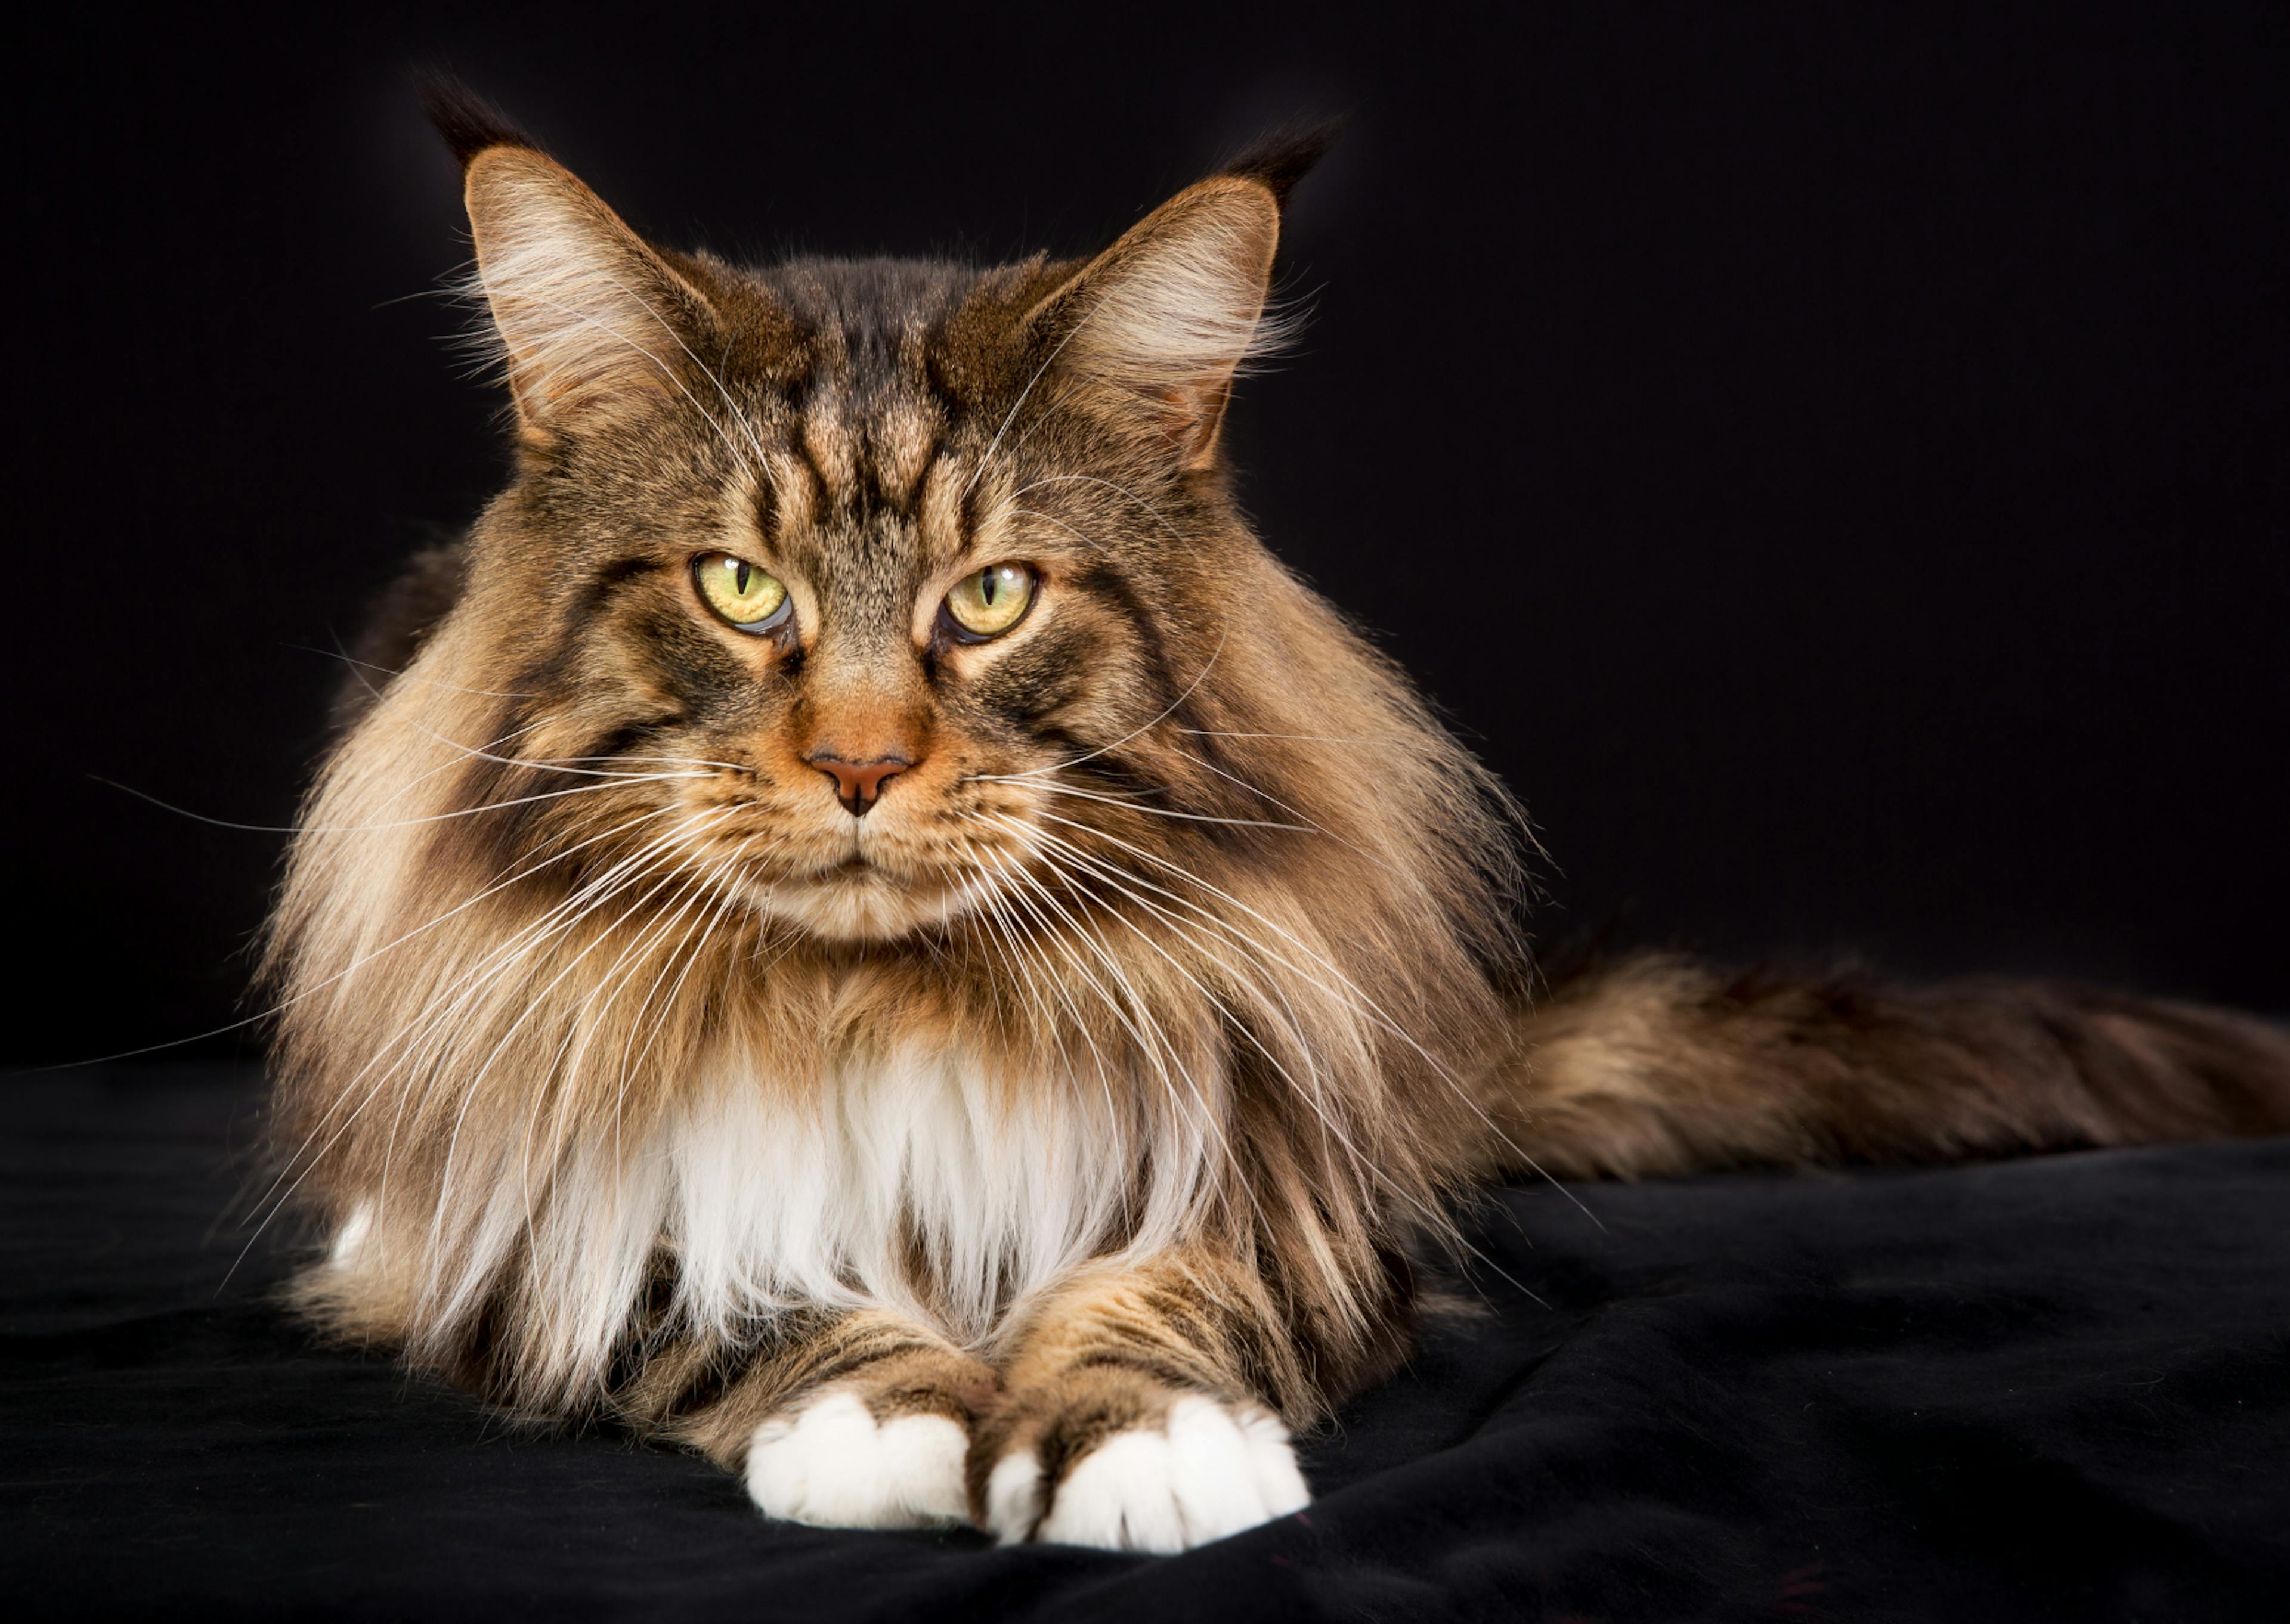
<point x="1170" y="710"/>
<point x="398" y="823"/>
<point x="1157" y="811"/>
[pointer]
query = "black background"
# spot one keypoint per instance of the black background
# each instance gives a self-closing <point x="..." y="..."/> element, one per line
<point x="1830" y="460"/>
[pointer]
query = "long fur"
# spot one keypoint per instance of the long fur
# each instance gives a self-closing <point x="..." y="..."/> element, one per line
<point x="1177" y="983"/>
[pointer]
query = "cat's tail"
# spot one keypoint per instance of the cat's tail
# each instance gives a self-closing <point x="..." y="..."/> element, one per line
<point x="1656" y="1065"/>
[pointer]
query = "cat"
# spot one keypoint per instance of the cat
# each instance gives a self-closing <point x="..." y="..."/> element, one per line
<point x="860" y="923"/>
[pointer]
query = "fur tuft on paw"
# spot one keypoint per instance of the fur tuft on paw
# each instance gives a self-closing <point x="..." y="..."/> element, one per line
<point x="831" y="1463"/>
<point x="1206" y="1470"/>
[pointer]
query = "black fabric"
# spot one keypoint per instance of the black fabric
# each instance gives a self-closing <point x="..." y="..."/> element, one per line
<point x="2048" y="1389"/>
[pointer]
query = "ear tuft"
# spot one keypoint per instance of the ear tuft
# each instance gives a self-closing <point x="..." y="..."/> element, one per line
<point x="1279" y="160"/>
<point x="469" y="124"/>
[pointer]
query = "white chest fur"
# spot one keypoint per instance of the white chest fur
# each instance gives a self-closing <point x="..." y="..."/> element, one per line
<point x="921" y="1182"/>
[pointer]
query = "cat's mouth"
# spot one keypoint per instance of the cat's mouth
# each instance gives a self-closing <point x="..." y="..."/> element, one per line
<point x="865" y="883"/>
<point x="860" y="898"/>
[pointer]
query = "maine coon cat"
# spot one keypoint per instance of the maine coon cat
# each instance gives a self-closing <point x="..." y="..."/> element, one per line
<point x="861" y="923"/>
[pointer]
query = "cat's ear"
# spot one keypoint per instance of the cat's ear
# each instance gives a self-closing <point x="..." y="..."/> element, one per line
<point x="1164" y="319"/>
<point x="589" y="319"/>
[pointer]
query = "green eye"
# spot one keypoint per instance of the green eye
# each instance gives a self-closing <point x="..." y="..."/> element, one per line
<point x="750" y="598"/>
<point x="992" y="601"/>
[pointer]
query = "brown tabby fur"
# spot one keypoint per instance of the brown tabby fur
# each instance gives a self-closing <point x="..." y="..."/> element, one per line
<point x="1181" y="861"/>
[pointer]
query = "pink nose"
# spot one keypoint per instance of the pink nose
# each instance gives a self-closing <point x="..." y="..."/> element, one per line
<point x="858" y="784"/>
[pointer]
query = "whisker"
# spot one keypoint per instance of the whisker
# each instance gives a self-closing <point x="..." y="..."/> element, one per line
<point x="1358" y="1160"/>
<point x="363" y="959"/>
<point x="404" y="674"/>
<point x="1206" y="666"/>
<point x="739" y="457"/>
<point x="545" y="763"/>
<point x="1384" y="1018"/>
<point x="1385" y="742"/>
<point x="705" y="372"/>
<point x="400" y="823"/>
<point x="475" y="1084"/>
<point x="1058" y="479"/>
<point x="726" y="900"/>
<point x="986" y="457"/>
<point x="1209" y="1117"/>
<point x="489" y="969"/>
<point x="1158" y="812"/>
<point x="1389" y="866"/>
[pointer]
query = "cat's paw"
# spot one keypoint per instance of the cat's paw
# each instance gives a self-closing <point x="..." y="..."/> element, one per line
<point x="831" y="1461"/>
<point x="1199" y="1470"/>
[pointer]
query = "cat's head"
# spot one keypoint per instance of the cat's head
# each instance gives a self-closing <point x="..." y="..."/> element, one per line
<point x="881" y="574"/>
<point x="867" y="601"/>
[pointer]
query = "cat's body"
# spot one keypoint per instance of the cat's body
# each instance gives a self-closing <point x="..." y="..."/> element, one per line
<point x="879" y="934"/>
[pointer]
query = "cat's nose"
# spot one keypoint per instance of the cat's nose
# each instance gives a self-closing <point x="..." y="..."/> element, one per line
<point x="858" y="784"/>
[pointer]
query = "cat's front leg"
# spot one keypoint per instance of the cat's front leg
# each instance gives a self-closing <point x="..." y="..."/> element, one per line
<point x="846" y="1420"/>
<point x="1131" y="1419"/>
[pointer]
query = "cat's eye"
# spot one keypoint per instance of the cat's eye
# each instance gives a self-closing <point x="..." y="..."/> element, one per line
<point x="749" y="597"/>
<point x="992" y="600"/>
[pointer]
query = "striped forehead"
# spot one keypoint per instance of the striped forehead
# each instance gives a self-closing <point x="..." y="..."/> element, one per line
<point x="852" y="488"/>
<point x="866" y="450"/>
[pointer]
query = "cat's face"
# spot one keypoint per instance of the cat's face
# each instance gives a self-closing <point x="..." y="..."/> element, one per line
<point x="875" y="666"/>
<point x="859" y="590"/>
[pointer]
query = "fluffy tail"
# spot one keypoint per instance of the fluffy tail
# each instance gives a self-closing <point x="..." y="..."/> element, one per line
<point x="1658" y="1066"/>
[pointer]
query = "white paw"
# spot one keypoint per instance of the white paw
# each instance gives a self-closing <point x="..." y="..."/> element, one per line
<point x="832" y="1464"/>
<point x="1211" y="1470"/>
